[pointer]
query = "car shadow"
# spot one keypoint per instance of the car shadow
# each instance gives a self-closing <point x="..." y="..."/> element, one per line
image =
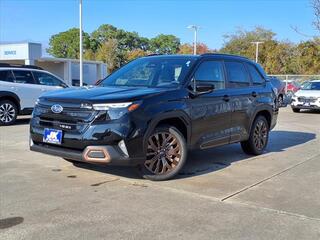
<point x="311" y="111"/>
<point x="201" y="162"/>
<point x="22" y="121"/>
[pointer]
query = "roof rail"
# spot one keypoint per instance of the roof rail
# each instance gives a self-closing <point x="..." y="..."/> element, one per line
<point x="223" y="54"/>
<point x="20" y="66"/>
<point x="154" y="54"/>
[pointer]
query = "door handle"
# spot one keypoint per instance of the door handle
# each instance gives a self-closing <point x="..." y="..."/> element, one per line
<point x="254" y="94"/>
<point x="226" y="98"/>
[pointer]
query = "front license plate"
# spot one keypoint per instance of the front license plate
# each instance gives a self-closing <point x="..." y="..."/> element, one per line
<point x="52" y="136"/>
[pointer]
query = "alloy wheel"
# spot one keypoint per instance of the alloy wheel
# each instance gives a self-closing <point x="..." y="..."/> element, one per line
<point x="7" y="113"/>
<point x="163" y="153"/>
<point x="260" y="135"/>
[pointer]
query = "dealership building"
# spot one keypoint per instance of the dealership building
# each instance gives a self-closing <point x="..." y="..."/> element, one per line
<point x="67" y="69"/>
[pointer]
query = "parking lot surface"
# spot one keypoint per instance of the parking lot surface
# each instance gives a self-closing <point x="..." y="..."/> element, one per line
<point x="222" y="193"/>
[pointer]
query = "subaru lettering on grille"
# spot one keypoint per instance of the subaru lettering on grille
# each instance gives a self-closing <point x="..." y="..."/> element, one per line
<point x="56" y="108"/>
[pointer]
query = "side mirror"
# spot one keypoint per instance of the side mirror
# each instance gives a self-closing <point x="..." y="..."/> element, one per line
<point x="64" y="85"/>
<point x="203" y="88"/>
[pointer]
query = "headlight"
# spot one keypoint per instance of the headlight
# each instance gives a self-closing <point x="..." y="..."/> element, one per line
<point x="107" y="106"/>
<point x="37" y="102"/>
<point x="116" y="110"/>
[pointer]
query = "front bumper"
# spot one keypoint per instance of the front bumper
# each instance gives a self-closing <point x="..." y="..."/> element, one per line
<point x="302" y="105"/>
<point x="108" y="154"/>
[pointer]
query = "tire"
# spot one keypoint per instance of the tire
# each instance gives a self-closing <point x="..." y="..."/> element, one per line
<point x="166" y="154"/>
<point x="296" y="110"/>
<point x="8" y="112"/>
<point x="280" y="100"/>
<point x="258" y="139"/>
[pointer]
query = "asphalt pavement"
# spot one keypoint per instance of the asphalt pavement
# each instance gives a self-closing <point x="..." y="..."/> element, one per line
<point x="222" y="193"/>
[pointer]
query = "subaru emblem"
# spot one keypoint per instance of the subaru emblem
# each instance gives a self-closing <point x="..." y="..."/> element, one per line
<point x="56" y="108"/>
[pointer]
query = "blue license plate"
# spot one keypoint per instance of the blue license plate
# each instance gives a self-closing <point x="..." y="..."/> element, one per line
<point x="52" y="136"/>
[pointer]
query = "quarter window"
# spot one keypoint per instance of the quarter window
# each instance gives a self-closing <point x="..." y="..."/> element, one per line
<point x="23" y="77"/>
<point x="6" y="76"/>
<point x="237" y="74"/>
<point x="211" y="72"/>
<point x="255" y="75"/>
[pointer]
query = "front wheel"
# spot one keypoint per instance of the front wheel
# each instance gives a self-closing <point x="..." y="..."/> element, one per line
<point x="8" y="112"/>
<point x="258" y="138"/>
<point x="296" y="110"/>
<point x="280" y="101"/>
<point x="166" y="154"/>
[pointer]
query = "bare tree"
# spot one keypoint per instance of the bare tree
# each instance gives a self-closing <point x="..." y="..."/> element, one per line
<point x="316" y="7"/>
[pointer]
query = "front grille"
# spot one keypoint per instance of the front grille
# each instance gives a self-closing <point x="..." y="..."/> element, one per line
<point x="307" y="99"/>
<point x="72" y="118"/>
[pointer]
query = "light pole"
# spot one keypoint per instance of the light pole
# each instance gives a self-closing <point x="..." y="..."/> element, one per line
<point x="257" y="49"/>
<point x="81" y="51"/>
<point x="195" y="29"/>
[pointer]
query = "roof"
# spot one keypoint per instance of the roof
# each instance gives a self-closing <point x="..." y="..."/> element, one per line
<point x="23" y="69"/>
<point x="199" y="56"/>
<point x="52" y="59"/>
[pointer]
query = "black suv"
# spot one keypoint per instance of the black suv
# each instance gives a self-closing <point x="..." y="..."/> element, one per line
<point x="152" y="110"/>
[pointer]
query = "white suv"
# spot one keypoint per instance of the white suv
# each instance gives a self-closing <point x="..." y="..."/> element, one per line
<point x="308" y="97"/>
<point x="20" y="86"/>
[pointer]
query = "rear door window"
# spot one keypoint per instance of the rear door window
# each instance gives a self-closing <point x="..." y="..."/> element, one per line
<point x="6" y="76"/>
<point x="237" y="75"/>
<point x="23" y="77"/>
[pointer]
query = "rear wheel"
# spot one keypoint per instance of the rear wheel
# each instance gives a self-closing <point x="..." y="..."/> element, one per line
<point x="280" y="100"/>
<point x="166" y="154"/>
<point x="8" y="112"/>
<point x="296" y="110"/>
<point x="258" y="138"/>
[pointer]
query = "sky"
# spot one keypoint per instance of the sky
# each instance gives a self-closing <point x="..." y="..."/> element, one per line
<point x="37" y="20"/>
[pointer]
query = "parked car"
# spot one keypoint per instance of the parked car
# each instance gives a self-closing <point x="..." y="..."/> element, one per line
<point x="292" y="87"/>
<point x="151" y="111"/>
<point x="308" y="97"/>
<point x="20" y="86"/>
<point x="304" y="83"/>
<point x="281" y="90"/>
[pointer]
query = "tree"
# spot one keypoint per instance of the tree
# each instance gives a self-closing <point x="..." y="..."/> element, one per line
<point x="136" y="53"/>
<point x="66" y="44"/>
<point x="127" y="41"/>
<point x="316" y="7"/>
<point x="165" y="44"/>
<point x="308" y="56"/>
<point x="188" y="48"/>
<point x="277" y="57"/>
<point x="110" y="54"/>
<point x="240" y="42"/>
<point x="203" y="48"/>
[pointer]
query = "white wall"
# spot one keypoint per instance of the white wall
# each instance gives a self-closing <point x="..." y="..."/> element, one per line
<point x="19" y="51"/>
<point x="90" y="74"/>
<point x="53" y="67"/>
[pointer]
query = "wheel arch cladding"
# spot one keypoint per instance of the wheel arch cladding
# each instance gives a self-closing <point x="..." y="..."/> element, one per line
<point x="11" y="97"/>
<point x="266" y="114"/>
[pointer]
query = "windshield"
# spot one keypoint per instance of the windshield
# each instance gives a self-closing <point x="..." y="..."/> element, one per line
<point x="151" y="72"/>
<point x="311" y="86"/>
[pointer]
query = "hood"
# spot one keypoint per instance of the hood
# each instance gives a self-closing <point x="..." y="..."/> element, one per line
<point x="102" y="94"/>
<point x="308" y="93"/>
